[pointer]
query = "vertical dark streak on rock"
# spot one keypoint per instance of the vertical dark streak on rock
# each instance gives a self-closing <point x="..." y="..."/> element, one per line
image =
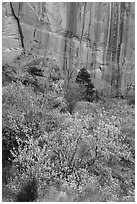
<point x="83" y="22"/>
<point x="19" y="27"/>
<point x="121" y="28"/>
<point x="127" y="30"/>
<point x="65" y="57"/>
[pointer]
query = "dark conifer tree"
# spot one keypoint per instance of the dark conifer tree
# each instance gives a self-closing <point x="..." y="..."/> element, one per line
<point x="83" y="78"/>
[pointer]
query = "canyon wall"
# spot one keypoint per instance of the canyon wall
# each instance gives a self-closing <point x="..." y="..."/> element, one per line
<point x="100" y="36"/>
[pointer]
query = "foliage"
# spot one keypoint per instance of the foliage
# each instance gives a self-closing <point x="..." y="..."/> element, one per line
<point x="63" y="156"/>
<point x="23" y="115"/>
<point x="70" y="156"/>
<point x="72" y="94"/>
<point x="28" y="193"/>
<point x="84" y="153"/>
<point x="131" y="98"/>
<point x="130" y="93"/>
<point x="16" y="101"/>
<point x="83" y="78"/>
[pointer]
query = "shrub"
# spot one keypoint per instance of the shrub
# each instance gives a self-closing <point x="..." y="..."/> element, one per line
<point x="130" y="93"/>
<point x="8" y="143"/>
<point x="83" y="78"/>
<point x="55" y="74"/>
<point x="131" y="99"/>
<point x="71" y="157"/>
<point x="7" y="194"/>
<point x="29" y="192"/>
<point x="72" y="94"/>
<point x="23" y="115"/>
<point x="69" y="154"/>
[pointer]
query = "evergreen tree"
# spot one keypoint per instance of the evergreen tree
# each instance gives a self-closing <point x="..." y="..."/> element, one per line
<point x="83" y="78"/>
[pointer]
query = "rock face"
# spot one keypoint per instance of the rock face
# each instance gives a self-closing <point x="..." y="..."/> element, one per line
<point x="75" y="34"/>
<point x="10" y="37"/>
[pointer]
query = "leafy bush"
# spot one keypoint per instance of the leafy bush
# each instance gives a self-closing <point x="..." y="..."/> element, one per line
<point x="72" y="94"/>
<point x="131" y="98"/>
<point x="16" y="101"/>
<point x="29" y="192"/>
<point x="23" y="115"/>
<point x="69" y="154"/>
<point x="55" y="74"/>
<point x="87" y="155"/>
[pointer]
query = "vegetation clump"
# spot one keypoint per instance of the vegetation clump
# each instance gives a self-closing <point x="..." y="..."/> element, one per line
<point x="73" y="150"/>
<point x="29" y="192"/>
<point x="84" y="80"/>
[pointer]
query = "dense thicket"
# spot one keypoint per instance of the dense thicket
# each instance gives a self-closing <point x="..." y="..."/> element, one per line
<point x="57" y="147"/>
